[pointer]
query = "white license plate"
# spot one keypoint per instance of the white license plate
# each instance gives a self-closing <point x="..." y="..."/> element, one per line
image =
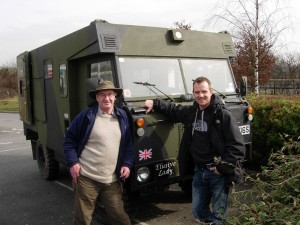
<point x="245" y="129"/>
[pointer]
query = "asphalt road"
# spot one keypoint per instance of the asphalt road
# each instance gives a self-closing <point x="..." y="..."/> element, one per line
<point x="27" y="199"/>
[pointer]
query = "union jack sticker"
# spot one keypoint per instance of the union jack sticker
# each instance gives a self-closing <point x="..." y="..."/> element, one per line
<point x="145" y="154"/>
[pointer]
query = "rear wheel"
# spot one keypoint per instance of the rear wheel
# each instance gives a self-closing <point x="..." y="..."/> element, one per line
<point x="48" y="166"/>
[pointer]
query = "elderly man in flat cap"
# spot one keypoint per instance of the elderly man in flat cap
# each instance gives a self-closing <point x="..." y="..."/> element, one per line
<point x="99" y="153"/>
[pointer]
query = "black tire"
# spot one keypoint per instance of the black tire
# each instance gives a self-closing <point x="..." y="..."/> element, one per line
<point x="130" y="199"/>
<point x="100" y="215"/>
<point x="186" y="186"/>
<point x="48" y="166"/>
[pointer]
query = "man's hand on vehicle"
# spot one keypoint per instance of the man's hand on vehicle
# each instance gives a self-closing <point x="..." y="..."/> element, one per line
<point x="149" y="105"/>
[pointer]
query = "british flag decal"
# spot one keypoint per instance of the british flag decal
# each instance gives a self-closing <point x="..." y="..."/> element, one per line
<point x="145" y="154"/>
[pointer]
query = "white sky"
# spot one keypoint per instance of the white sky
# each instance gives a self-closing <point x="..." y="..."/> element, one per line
<point x="28" y="24"/>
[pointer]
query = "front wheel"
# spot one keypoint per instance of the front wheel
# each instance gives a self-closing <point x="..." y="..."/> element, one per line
<point x="186" y="186"/>
<point x="48" y="166"/>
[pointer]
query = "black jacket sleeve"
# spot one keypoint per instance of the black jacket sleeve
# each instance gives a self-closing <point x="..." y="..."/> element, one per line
<point x="176" y="113"/>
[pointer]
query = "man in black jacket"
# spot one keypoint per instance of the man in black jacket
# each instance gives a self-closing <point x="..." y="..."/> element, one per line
<point x="211" y="145"/>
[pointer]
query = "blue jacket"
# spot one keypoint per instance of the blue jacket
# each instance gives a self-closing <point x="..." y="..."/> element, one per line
<point x="80" y="129"/>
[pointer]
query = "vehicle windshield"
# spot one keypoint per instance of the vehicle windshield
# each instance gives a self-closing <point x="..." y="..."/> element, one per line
<point x="140" y="74"/>
<point x="216" y="70"/>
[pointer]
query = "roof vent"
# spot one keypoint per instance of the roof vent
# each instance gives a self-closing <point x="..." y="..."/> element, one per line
<point x="227" y="48"/>
<point x="109" y="42"/>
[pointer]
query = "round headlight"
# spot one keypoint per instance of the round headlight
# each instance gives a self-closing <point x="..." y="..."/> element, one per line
<point x="143" y="174"/>
<point x="250" y="117"/>
<point x="140" y="132"/>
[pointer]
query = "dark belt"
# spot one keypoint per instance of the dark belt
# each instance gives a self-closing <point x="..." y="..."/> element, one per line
<point x="206" y="166"/>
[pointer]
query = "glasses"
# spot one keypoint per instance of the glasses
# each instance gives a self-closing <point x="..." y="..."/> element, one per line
<point x="104" y="95"/>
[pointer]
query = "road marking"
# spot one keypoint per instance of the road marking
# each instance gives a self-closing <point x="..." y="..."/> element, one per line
<point x="139" y="222"/>
<point x="63" y="185"/>
<point x="5" y="143"/>
<point x="17" y="129"/>
<point x="14" y="149"/>
<point x="13" y="130"/>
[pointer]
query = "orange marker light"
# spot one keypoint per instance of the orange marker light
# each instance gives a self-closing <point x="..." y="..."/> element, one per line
<point x="140" y="122"/>
<point x="250" y="110"/>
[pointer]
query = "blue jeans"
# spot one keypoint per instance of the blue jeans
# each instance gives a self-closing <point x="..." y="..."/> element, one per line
<point x="209" y="187"/>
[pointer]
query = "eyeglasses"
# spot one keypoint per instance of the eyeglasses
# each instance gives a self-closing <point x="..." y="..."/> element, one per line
<point x="104" y="95"/>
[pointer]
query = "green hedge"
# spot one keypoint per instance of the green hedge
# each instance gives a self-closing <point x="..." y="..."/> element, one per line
<point x="273" y="116"/>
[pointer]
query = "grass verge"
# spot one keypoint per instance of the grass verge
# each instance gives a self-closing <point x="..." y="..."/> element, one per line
<point x="9" y="104"/>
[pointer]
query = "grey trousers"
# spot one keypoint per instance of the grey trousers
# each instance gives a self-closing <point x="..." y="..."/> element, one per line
<point x="86" y="193"/>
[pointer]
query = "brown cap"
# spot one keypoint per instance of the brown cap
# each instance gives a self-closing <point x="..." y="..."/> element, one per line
<point x="105" y="85"/>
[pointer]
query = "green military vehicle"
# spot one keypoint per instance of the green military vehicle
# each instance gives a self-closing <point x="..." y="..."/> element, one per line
<point x="148" y="63"/>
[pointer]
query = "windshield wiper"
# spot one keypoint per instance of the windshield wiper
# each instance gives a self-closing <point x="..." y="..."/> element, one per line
<point x="148" y="85"/>
<point x="141" y="83"/>
<point x="223" y="96"/>
<point x="231" y="94"/>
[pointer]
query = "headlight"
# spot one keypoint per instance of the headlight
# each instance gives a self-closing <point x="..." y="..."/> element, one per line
<point x="250" y="117"/>
<point x="143" y="174"/>
<point x="140" y="132"/>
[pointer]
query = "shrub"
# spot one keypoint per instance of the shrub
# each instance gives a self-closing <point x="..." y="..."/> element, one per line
<point x="275" y="195"/>
<point x="273" y="115"/>
<point x="8" y="82"/>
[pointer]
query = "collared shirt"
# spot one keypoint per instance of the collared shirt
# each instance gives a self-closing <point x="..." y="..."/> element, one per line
<point x="100" y="112"/>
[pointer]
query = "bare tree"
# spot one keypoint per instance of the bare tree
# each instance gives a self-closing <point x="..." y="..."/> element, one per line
<point x="183" y="25"/>
<point x="292" y="63"/>
<point x="285" y="75"/>
<point x="291" y="66"/>
<point x="258" y="18"/>
<point x="9" y="64"/>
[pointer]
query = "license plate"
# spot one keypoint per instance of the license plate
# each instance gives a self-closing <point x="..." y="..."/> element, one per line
<point x="165" y="169"/>
<point x="245" y="129"/>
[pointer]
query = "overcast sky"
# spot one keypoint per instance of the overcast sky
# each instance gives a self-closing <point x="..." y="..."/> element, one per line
<point x="28" y="24"/>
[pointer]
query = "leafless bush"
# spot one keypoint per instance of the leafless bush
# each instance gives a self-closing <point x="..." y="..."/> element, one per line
<point x="8" y="82"/>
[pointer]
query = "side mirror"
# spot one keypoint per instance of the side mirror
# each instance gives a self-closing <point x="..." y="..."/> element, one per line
<point x="243" y="86"/>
